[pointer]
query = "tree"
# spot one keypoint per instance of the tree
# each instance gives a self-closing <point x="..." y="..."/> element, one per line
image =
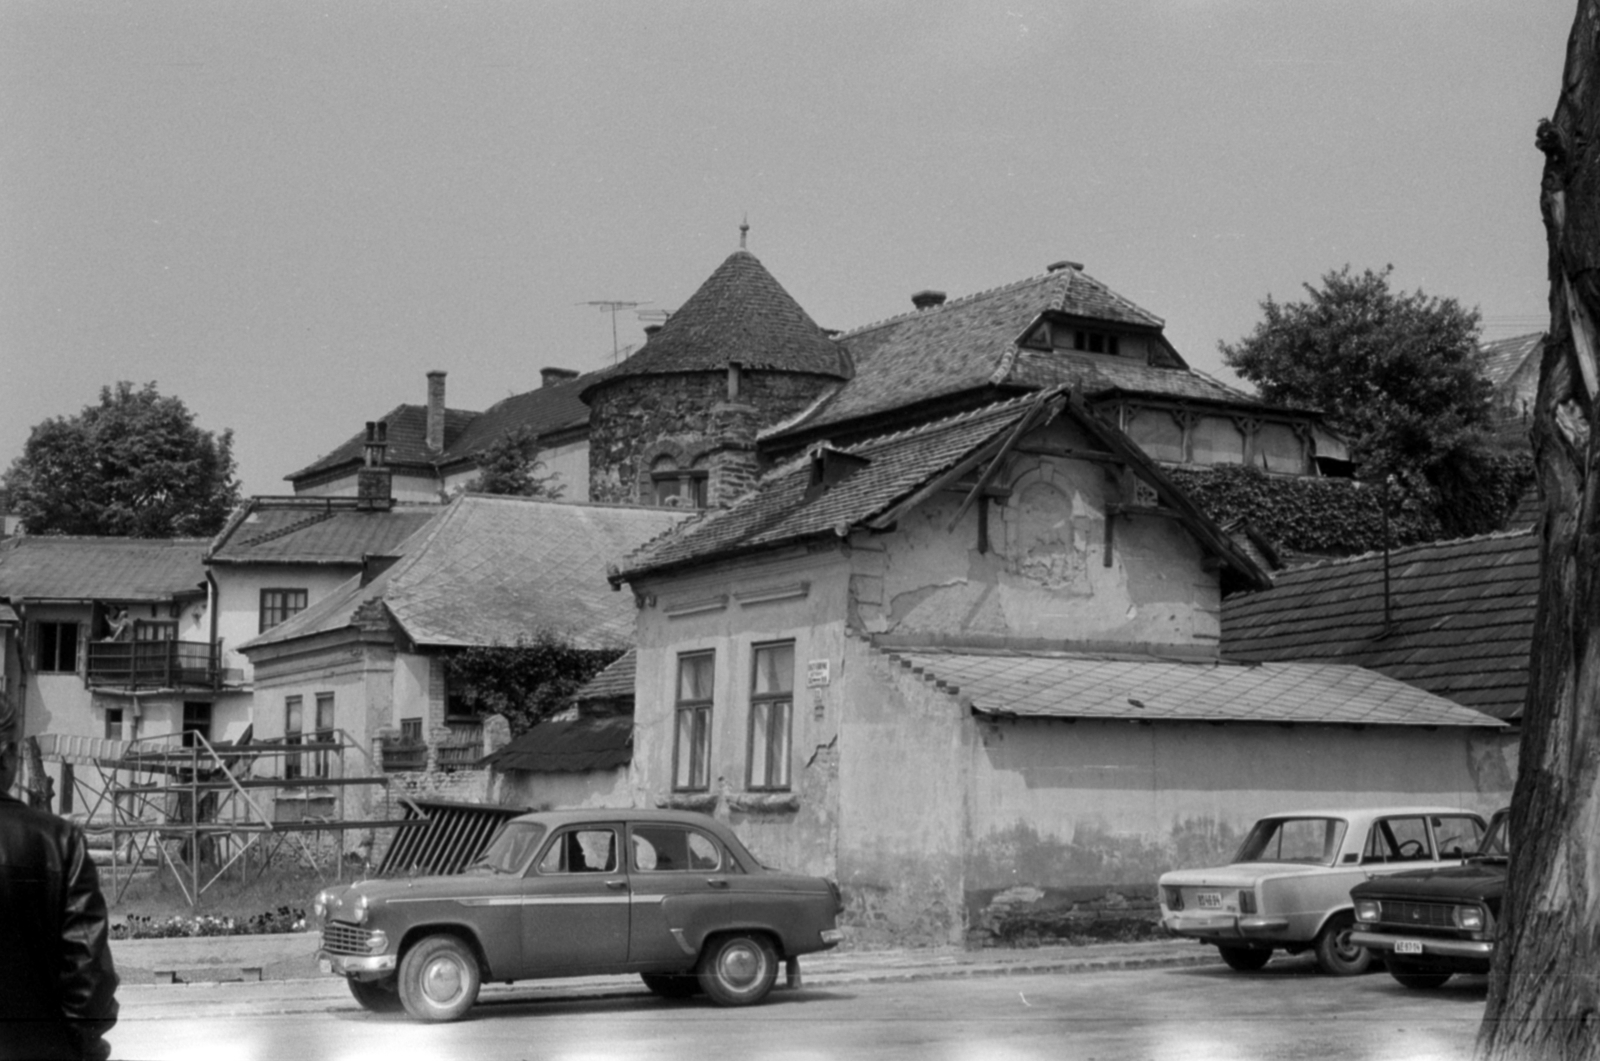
<point x="507" y="466"/>
<point x="526" y="681"/>
<point x="1544" y="993"/>
<point x="136" y="464"/>
<point x="1401" y="377"/>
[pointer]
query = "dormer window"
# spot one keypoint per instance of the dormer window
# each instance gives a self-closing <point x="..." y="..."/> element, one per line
<point x="677" y="487"/>
<point x="1060" y="335"/>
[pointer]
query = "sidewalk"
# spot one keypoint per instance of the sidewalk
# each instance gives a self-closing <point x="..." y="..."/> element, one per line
<point x="224" y="959"/>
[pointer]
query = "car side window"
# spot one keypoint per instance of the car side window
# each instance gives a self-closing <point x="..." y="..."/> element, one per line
<point x="668" y="849"/>
<point x="1456" y="836"/>
<point x="581" y="851"/>
<point x="1398" y="840"/>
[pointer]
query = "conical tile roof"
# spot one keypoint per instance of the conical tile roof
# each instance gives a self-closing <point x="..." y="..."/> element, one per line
<point x="739" y="314"/>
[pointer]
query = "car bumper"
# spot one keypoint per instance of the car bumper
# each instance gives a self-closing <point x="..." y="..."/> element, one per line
<point x="356" y="964"/>
<point x="1212" y="927"/>
<point x="1432" y="946"/>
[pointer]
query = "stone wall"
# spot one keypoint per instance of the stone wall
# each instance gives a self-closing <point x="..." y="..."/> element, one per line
<point x="635" y="419"/>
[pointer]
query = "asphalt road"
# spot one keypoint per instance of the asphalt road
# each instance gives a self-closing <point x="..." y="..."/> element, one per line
<point x="1166" y="1014"/>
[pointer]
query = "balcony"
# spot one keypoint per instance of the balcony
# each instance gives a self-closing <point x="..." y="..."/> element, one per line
<point x="155" y="664"/>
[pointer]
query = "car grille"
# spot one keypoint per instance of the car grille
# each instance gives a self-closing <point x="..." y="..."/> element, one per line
<point x="1418" y="915"/>
<point x="344" y="939"/>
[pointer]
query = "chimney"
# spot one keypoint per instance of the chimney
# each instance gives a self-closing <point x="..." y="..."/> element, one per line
<point x="436" y="411"/>
<point x="549" y="377"/>
<point x="1056" y="267"/>
<point x="375" y="480"/>
<point x="928" y="299"/>
<point x="650" y="331"/>
<point x="732" y="465"/>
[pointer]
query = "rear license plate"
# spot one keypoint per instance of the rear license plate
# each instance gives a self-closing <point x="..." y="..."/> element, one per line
<point x="1208" y="900"/>
<point x="1408" y="946"/>
<point x="325" y="965"/>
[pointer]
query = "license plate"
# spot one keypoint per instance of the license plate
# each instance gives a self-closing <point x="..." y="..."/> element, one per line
<point x="1208" y="900"/>
<point x="325" y="965"/>
<point x="1408" y="946"/>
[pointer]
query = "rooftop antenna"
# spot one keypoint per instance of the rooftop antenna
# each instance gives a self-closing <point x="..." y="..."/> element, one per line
<point x="611" y="306"/>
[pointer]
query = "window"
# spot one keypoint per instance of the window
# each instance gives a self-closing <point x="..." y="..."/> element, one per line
<point x="113" y="723"/>
<point x="411" y="730"/>
<point x="196" y="719"/>
<point x="691" y="753"/>
<point x="673" y="849"/>
<point x="279" y="604"/>
<point x="1398" y="840"/>
<point x="581" y="851"/>
<point x="771" y="710"/>
<point x="1456" y="836"/>
<point x="58" y="648"/>
<point x="682" y="487"/>
<point x="1314" y="841"/>
<point x="152" y="630"/>
<point x="324" y="734"/>
<point x="293" y="727"/>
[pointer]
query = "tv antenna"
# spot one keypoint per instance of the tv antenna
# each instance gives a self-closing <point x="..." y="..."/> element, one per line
<point x="612" y="306"/>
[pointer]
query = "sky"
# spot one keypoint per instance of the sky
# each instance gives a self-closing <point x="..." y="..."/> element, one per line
<point x="286" y="213"/>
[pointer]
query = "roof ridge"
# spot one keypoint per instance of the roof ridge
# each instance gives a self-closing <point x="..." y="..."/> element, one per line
<point x="1377" y="554"/>
<point x="988" y="292"/>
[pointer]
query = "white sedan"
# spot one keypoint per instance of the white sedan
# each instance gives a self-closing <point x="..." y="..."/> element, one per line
<point x="1289" y="885"/>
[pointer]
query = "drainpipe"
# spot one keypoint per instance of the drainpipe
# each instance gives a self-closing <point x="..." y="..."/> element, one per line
<point x="216" y="648"/>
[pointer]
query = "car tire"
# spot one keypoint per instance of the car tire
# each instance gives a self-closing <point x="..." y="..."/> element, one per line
<point x="671" y="985"/>
<point x="1336" y="955"/>
<point x="439" y="979"/>
<point x="1245" y="959"/>
<point x="738" y="969"/>
<point x="1418" y="979"/>
<point x="376" y="996"/>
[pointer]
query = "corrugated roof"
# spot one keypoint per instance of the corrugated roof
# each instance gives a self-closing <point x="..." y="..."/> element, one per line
<point x="1080" y="686"/>
<point x="491" y="569"/>
<point x="613" y="683"/>
<point x="1461" y="618"/>
<point x="571" y="747"/>
<point x="970" y="343"/>
<point x="316" y="531"/>
<point x="50" y="567"/>
<point x="741" y="313"/>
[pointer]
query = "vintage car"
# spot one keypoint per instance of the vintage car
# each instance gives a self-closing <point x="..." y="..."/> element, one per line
<point x="673" y="896"/>
<point x="1429" y="925"/>
<point x="1289" y="885"/>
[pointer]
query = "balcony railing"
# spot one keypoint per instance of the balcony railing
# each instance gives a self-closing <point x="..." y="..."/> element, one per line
<point x="154" y="663"/>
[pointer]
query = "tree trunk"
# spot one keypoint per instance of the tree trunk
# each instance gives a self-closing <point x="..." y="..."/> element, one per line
<point x="1544" y="992"/>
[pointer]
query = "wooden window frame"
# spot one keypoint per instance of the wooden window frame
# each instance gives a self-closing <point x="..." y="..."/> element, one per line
<point x="293" y="601"/>
<point x="775" y="755"/>
<point x="699" y="713"/>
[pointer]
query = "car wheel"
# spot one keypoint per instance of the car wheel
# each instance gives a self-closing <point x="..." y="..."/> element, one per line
<point x="1336" y="955"/>
<point x="671" y="985"/>
<point x="439" y="979"/>
<point x="1245" y="959"/>
<point x="738" y="970"/>
<point x="1410" y="976"/>
<point x="376" y="996"/>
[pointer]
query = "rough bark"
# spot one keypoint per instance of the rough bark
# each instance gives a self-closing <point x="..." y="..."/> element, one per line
<point x="1544" y="992"/>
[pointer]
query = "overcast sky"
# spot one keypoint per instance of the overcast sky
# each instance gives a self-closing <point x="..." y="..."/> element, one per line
<point x="287" y="212"/>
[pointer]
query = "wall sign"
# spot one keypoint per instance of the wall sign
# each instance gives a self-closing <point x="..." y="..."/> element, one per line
<point x="816" y="673"/>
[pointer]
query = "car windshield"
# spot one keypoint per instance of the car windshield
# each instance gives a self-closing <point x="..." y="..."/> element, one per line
<point x="1312" y="841"/>
<point x="510" y="850"/>
<point x="1497" y="842"/>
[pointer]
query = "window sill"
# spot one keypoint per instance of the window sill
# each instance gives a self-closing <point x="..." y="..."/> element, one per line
<point x="764" y="802"/>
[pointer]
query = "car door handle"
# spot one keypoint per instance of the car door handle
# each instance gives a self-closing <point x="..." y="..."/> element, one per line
<point x="616" y="885"/>
<point x="716" y="882"/>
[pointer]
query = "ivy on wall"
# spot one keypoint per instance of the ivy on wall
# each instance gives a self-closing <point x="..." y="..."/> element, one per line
<point x="526" y="681"/>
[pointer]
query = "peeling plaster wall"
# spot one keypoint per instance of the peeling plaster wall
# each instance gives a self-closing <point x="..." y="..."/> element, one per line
<point x="594" y="788"/>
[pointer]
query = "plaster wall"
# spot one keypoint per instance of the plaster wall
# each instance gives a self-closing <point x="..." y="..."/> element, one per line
<point x="238" y="601"/>
<point x="595" y="788"/>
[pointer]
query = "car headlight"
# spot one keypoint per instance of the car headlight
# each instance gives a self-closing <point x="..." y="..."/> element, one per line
<point x="1469" y="918"/>
<point x="358" y="910"/>
<point x="1368" y="910"/>
<point x="319" y="906"/>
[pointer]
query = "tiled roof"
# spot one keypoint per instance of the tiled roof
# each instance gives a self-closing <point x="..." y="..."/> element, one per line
<point x="315" y="531"/>
<point x="569" y="747"/>
<point x="970" y="343"/>
<point x="1461" y="618"/>
<point x="1084" y="686"/>
<point x="49" y="567"/>
<point x="1502" y="358"/>
<point x="407" y="438"/>
<point x="613" y="683"/>
<point x="545" y="410"/>
<point x="783" y="508"/>
<point x="491" y="569"/>
<point x="739" y="314"/>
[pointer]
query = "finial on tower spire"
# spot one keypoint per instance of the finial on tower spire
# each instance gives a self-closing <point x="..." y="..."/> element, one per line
<point x="744" y="230"/>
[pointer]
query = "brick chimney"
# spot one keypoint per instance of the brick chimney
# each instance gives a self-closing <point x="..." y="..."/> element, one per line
<point x="549" y="377"/>
<point x="436" y="411"/>
<point x="732" y="467"/>
<point x="375" y="480"/>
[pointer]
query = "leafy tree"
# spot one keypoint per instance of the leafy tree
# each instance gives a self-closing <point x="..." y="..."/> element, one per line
<point x="507" y="466"/>
<point x="526" y="681"/>
<point x="1401" y="377"/>
<point x="136" y="464"/>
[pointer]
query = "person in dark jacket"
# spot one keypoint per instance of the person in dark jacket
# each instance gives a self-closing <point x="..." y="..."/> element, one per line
<point x="57" y="983"/>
